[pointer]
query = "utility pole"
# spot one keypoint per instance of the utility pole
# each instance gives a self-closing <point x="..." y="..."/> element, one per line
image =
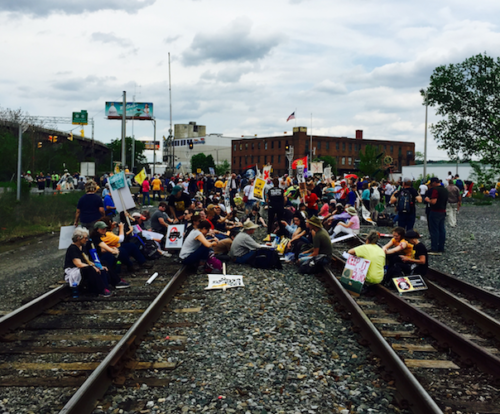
<point x="170" y="100"/>
<point x="154" y="148"/>
<point x="124" y="129"/>
<point x="22" y="128"/>
<point x="133" y="142"/>
<point x="425" y="135"/>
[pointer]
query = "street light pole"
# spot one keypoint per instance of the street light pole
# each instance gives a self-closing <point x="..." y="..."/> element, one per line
<point x="425" y="136"/>
<point x="124" y="128"/>
<point x="154" y="148"/>
<point x="22" y="128"/>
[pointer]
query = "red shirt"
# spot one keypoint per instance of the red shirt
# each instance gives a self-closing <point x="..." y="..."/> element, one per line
<point x="312" y="201"/>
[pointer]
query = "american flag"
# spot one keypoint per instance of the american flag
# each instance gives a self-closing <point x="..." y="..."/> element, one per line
<point x="292" y="116"/>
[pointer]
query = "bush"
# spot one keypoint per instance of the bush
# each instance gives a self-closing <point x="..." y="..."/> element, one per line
<point x="35" y="214"/>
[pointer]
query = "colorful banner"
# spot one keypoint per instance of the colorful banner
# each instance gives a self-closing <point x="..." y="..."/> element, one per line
<point x="135" y="110"/>
<point x="117" y="181"/>
<point x="300" y="161"/>
<point x="354" y="274"/>
<point x="258" y="190"/>
<point x="266" y="171"/>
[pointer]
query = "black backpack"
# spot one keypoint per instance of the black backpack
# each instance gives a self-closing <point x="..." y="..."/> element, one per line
<point x="405" y="201"/>
<point x="460" y="184"/>
<point x="266" y="259"/>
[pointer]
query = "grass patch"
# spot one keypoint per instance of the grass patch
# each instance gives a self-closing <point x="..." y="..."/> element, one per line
<point x="35" y="214"/>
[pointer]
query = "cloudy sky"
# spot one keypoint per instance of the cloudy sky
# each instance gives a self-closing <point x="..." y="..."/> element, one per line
<point x="241" y="68"/>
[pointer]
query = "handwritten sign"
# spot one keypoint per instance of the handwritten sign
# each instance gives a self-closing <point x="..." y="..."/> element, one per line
<point x="117" y="181"/>
<point x="354" y="274"/>
<point x="258" y="190"/>
<point x="317" y="167"/>
<point x="175" y="236"/>
<point x="224" y="282"/>
<point x="409" y="283"/>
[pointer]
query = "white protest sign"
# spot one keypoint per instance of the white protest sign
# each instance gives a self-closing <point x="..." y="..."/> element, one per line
<point x="300" y="174"/>
<point x="122" y="198"/>
<point x="317" y="167"/>
<point x="224" y="282"/>
<point x="175" y="234"/>
<point x="65" y="236"/>
<point x="151" y="235"/>
<point x="327" y="174"/>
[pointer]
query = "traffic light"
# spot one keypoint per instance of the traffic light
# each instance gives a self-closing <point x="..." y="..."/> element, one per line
<point x="70" y="136"/>
<point x="50" y="138"/>
<point x="54" y="138"/>
<point x="190" y="144"/>
<point x="287" y="147"/>
<point x="39" y="144"/>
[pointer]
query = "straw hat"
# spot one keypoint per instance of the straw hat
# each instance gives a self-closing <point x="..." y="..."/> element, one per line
<point x="315" y="221"/>
<point x="352" y="211"/>
<point x="248" y="225"/>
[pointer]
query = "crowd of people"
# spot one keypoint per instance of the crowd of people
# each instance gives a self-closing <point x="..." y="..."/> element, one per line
<point x="221" y="214"/>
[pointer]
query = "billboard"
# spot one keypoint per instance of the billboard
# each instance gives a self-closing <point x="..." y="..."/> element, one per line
<point x="135" y="110"/>
<point x="150" y="145"/>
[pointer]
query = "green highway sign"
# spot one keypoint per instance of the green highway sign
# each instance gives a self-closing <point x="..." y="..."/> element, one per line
<point x="80" y="118"/>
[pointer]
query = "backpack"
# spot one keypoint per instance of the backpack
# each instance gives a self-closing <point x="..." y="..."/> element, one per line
<point x="460" y="184"/>
<point x="150" y="250"/>
<point x="375" y="194"/>
<point x="405" y="201"/>
<point x="266" y="259"/>
<point x="313" y="266"/>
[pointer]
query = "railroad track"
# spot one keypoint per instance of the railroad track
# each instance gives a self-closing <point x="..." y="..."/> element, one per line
<point x="438" y="346"/>
<point x="85" y="342"/>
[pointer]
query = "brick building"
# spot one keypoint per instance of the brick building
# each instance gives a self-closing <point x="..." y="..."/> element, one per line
<point x="247" y="152"/>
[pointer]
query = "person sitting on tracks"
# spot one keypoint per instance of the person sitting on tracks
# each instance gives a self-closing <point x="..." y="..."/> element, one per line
<point x="244" y="247"/>
<point x="322" y="244"/>
<point x="196" y="248"/>
<point x="415" y="264"/>
<point x="351" y="227"/>
<point x="79" y="270"/>
<point x="338" y="215"/>
<point x="375" y="254"/>
<point x="113" y="248"/>
<point x="397" y="247"/>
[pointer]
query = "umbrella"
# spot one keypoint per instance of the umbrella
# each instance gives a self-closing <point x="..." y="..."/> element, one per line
<point x="351" y="176"/>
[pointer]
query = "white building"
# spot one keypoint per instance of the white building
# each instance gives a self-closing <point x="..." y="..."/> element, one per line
<point x="464" y="170"/>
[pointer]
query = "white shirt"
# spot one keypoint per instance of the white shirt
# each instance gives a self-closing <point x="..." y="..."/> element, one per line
<point x="423" y="189"/>
<point x="248" y="191"/>
<point x="389" y="189"/>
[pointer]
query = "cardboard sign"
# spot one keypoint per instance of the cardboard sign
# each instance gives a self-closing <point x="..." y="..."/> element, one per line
<point x="224" y="282"/>
<point x="354" y="274"/>
<point x="122" y="198"/>
<point x="300" y="174"/>
<point x="327" y="174"/>
<point x="212" y="171"/>
<point x="258" y="190"/>
<point x="175" y="234"/>
<point x="409" y="283"/>
<point x="303" y="190"/>
<point x="266" y="171"/>
<point x="317" y="167"/>
<point x="65" y="236"/>
<point x="117" y="181"/>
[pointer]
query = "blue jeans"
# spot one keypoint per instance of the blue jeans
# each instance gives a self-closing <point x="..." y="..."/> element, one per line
<point x="144" y="195"/>
<point x="438" y="230"/>
<point x="128" y="250"/>
<point x="246" y="257"/>
<point x="201" y="253"/>
<point x="406" y="220"/>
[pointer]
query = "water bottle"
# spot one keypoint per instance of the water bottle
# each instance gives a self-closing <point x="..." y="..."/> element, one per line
<point x="74" y="290"/>
<point x="95" y="257"/>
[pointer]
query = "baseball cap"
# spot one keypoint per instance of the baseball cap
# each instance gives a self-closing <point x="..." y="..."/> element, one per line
<point x="434" y="180"/>
<point x="176" y="189"/>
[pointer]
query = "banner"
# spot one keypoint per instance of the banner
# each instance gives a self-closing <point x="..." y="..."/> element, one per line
<point x="135" y="110"/>
<point x="300" y="161"/>
<point x="354" y="274"/>
<point x="258" y="190"/>
<point x="317" y="167"/>
<point x="266" y="171"/>
<point x="141" y="176"/>
<point x="300" y="174"/>
<point x="409" y="283"/>
<point x="224" y="282"/>
<point x="117" y="181"/>
<point x="327" y="175"/>
<point x="174" y="236"/>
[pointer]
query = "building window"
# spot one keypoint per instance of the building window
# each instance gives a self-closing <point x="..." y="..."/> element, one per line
<point x="343" y="147"/>
<point x="337" y="146"/>
<point x="246" y="146"/>
<point x="240" y="161"/>
<point x="258" y="145"/>
<point x="258" y="159"/>
<point x="272" y="144"/>
<point x="327" y="146"/>
<point x="272" y="159"/>
<point x="265" y="159"/>
<point x="234" y="160"/>
<point x="252" y="145"/>
<point x="319" y="145"/>
<point x="265" y="145"/>
<point x="343" y="160"/>
<point x="279" y="144"/>
<point x="349" y="161"/>
<point x="279" y="159"/>
<point x="399" y="151"/>
<point x="385" y="147"/>
<point x="350" y="147"/>
<point x="234" y="147"/>
<point x="392" y="148"/>
<point x="251" y="159"/>
<point x="241" y="147"/>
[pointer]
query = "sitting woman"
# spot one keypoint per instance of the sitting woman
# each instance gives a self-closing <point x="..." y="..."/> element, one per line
<point x="396" y="247"/>
<point x="338" y="215"/>
<point x="196" y="248"/>
<point x="299" y="234"/>
<point x="79" y="270"/>
<point x="255" y="217"/>
<point x="374" y="253"/>
<point x="351" y="227"/>
<point x="416" y="263"/>
<point x="113" y="248"/>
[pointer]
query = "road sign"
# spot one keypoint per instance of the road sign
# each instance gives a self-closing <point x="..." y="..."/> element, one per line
<point x="80" y="118"/>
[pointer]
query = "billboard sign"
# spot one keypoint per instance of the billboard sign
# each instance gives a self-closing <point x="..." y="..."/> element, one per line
<point x="152" y="145"/>
<point x="80" y="118"/>
<point x="135" y="110"/>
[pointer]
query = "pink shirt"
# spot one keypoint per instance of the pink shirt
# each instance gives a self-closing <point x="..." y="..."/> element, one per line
<point x="355" y="222"/>
<point x="145" y="186"/>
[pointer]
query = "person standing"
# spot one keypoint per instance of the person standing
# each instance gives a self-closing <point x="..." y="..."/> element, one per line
<point x="233" y="188"/>
<point x="145" y="191"/>
<point x="156" y="188"/>
<point x="55" y="180"/>
<point x="276" y="201"/>
<point x="453" y="205"/>
<point x="405" y="204"/>
<point x="40" y="179"/>
<point x="90" y="207"/>
<point x="437" y="215"/>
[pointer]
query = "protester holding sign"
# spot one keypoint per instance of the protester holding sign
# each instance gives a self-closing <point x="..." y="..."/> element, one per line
<point x="374" y="253"/>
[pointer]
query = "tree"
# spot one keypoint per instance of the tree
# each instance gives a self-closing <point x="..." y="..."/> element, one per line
<point x="221" y="169"/>
<point x="328" y="161"/>
<point x="370" y="162"/>
<point x="139" y="157"/>
<point x="467" y="95"/>
<point x="202" y="162"/>
<point x="419" y="157"/>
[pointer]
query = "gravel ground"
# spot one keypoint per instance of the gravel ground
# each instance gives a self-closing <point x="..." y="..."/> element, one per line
<point x="274" y="346"/>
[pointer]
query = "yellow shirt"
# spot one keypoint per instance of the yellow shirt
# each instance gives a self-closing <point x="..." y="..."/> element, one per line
<point x="111" y="239"/>
<point x="156" y="184"/>
<point x="219" y="184"/>
<point x="376" y="256"/>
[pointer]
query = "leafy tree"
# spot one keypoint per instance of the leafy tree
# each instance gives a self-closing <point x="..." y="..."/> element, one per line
<point x="370" y="162"/>
<point x="328" y="161"/>
<point x="222" y="168"/>
<point x="139" y="157"/>
<point x="419" y="157"/>
<point x="203" y="162"/>
<point x="467" y="95"/>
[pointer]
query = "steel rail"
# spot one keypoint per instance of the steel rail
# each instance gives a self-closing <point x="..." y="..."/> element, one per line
<point x="488" y="325"/>
<point x="32" y="309"/>
<point x="412" y="394"/>
<point x="94" y="388"/>
<point x="469" y="352"/>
